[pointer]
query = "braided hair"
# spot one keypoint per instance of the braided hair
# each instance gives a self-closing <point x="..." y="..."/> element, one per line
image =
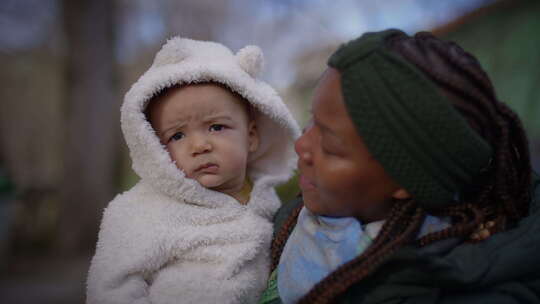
<point x="499" y="194"/>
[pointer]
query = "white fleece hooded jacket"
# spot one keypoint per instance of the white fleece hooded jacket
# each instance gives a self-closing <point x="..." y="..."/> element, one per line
<point x="170" y="240"/>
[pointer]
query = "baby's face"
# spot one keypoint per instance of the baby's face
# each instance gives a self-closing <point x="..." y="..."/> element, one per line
<point x="208" y="133"/>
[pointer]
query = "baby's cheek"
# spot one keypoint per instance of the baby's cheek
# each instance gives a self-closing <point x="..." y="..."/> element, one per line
<point x="177" y="160"/>
<point x="238" y="163"/>
<point x="236" y="149"/>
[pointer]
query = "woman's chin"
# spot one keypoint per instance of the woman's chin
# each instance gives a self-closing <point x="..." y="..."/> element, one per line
<point x="311" y="205"/>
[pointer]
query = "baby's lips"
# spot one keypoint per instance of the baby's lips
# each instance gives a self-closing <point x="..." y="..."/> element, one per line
<point x="207" y="168"/>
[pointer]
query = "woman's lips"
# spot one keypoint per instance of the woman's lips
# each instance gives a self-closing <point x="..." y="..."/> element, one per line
<point x="305" y="183"/>
<point x="208" y="168"/>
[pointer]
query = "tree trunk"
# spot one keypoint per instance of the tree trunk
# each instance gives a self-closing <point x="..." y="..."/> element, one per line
<point x="92" y="123"/>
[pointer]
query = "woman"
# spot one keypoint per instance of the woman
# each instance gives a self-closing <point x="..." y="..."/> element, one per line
<point x="416" y="184"/>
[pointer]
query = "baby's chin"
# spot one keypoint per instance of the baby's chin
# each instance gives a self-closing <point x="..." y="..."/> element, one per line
<point x="214" y="182"/>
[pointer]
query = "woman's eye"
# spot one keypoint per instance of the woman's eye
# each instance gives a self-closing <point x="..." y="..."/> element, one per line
<point x="329" y="150"/>
<point x="217" y="127"/>
<point x="177" y="136"/>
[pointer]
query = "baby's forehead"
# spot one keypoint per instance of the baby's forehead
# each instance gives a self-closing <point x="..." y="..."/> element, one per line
<point x="218" y="90"/>
<point x="197" y="102"/>
<point x="212" y="97"/>
<point x="206" y="112"/>
<point x="193" y="92"/>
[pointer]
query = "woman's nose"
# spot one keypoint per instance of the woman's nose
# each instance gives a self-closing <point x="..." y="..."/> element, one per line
<point x="302" y="147"/>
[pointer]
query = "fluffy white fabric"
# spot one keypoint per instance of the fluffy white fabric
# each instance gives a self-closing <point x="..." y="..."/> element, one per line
<point x="170" y="240"/>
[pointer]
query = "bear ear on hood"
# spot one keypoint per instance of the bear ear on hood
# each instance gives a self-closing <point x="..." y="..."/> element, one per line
<point x="174" y="51"/>
<point x="250" y="59"/>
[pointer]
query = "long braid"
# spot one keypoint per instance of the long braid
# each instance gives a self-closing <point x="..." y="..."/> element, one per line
<point x="468" y="218"/>
<point x="500" y="194"/>
<point x="281" y="237"/>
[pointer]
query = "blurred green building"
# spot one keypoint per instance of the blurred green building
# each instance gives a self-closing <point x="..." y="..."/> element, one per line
<point x="505" y="37"/>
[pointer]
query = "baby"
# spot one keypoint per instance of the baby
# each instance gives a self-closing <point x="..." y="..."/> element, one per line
<point x="209" y="142"/>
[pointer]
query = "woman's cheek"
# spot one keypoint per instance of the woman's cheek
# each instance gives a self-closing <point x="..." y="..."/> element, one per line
<point x="331" y="183"/>
<point x="344" y="181"/>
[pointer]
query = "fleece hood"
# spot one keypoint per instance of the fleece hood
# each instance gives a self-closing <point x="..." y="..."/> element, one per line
<point x="185" y="61"/>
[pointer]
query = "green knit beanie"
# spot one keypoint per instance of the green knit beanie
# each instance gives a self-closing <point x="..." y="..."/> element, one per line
<point x="406" y="122"/>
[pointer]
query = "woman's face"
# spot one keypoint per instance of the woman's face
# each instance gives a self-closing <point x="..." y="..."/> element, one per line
<point x="338" y="175"/>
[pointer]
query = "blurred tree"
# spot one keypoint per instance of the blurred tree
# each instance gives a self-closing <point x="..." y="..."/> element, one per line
<point x="92" y="125"/>
<point x="31" y="121"/>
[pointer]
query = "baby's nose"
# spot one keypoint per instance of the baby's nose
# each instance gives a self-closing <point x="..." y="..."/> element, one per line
<point x="200" y="145"/>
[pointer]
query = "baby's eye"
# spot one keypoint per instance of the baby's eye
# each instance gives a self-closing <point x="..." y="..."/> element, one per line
<point x="216" y="127"/>
<point x="177" y="136"/>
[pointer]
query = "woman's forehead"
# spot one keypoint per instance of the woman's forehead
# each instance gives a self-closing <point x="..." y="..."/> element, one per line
<point x="329" y="111"/>
<point x="328" y="99"/>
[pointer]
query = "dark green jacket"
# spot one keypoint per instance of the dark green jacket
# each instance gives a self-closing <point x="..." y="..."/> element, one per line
<point x="502" y="269"/>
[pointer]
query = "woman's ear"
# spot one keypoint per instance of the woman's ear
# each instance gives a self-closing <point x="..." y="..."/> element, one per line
<point x="253" y="136"/>
<point x="401" y="194"/>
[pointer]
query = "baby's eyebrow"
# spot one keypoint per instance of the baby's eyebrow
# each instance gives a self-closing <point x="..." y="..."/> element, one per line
<point x="218" y="117"/>
<point x="173" y="127"/>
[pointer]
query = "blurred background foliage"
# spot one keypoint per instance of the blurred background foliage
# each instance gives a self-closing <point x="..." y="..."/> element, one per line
<point x="66" y="65"/>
